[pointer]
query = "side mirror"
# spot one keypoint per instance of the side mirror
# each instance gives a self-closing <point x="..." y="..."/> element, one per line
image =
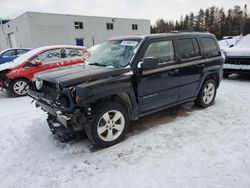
<point x="149" y="63"/>
<point x="37" y="63"/>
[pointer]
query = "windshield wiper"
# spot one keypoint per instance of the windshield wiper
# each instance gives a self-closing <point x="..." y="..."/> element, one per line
<point x="98" y="64"/>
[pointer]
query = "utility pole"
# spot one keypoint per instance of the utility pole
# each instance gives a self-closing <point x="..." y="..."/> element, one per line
<point x="1" y="32"/>
<point x="244" y="19"/>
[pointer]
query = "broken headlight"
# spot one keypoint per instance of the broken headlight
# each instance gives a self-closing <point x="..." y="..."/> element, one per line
<point x="38" y="83"/>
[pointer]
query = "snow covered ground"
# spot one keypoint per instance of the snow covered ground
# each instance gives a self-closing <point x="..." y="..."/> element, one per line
<point x="184" y="147"/>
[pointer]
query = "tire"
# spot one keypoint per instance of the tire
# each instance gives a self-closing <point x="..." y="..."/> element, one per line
<point x="104" y="131"/>
<point x="207" y="94"/>
<point x="15" y="88"/>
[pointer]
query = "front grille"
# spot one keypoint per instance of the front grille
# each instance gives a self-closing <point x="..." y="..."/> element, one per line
<point x="238" y="61"/>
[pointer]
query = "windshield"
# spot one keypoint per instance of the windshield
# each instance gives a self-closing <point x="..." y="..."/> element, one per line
<point x="114" y="53"/>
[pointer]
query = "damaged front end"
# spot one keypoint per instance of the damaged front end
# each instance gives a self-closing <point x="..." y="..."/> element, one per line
<point x="66" y="118"/>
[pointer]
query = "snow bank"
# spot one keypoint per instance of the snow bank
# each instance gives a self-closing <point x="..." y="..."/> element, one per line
<point x="189" y="147"/>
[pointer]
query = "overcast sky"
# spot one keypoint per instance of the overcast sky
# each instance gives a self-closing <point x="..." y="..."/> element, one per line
<point x="147" y="9"/>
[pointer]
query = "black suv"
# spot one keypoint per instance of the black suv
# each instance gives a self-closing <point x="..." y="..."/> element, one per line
<point x="127" y="78"/>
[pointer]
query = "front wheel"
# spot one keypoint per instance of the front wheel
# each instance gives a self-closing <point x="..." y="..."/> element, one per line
<point x="18" y="87"/>
<point x="110" y="124"/>
<point x="207" y="94"/>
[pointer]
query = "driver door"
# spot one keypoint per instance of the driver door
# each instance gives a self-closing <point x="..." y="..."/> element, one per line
<point x="158" y="86"/>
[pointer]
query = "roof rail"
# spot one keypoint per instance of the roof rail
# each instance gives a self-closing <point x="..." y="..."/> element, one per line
<point x="174" y="31"/>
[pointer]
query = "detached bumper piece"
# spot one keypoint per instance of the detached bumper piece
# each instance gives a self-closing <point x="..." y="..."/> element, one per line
<point x="64" y="133"/>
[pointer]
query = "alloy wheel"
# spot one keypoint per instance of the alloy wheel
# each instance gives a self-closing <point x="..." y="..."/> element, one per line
<point x="208" y="94"/>
<point x="21" y="88"/>
<point x="111" y="125"/>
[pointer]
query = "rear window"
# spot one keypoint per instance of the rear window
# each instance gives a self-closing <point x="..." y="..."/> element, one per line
<point x="9" y="53"/>
<point x="209" y="47"/>
<point x="21" y="51"/>
<point x="188" y="48"/>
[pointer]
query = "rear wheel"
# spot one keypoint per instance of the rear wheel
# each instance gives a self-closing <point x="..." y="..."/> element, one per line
<point x="18" y="87"/>
<point x="110" y="124"/>
<point x="207" y="94"/>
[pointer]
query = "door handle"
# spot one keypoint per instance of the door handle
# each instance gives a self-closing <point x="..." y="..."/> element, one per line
<point x="173" y="72"/>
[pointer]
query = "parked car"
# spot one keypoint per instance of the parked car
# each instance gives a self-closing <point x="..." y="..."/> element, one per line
<point x="14" y="76"/>
<point x="237" y="58"/>
<point x="229" y="41"/>
<point x="11" y="54"/>
<point x="128" y="78"/>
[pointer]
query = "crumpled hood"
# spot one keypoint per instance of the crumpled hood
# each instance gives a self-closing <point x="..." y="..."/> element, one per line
<point x="236" y="51"/>
<point x="67" y="76"/>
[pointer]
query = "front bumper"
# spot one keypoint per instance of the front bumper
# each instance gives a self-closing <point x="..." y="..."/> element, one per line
<point x="236" y="67"/>
<point x="64" y="124"/>
<point x="50" y="108"/>
<point x="237" y="63"/>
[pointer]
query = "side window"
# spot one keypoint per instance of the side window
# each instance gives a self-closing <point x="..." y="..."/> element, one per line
<point x="9" y="53"/>
<point x="73" y="53"/>
<point x="197" y="51"/>
<point x="209" y="47"/>
<point x="188" y="48"/>
<point x="20" y="52"/>
<point x="163" y="50"/>
<point x="109" y="26"/>
<point x="49" y="56"/>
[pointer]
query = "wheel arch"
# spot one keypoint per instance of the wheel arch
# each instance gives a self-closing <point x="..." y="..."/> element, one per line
<point x="210" y="75"/>
<point x="18" y="78"/>
<point x="124" y="98"/>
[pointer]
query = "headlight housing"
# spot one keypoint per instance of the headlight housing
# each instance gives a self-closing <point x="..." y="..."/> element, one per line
<point x="38" y="83"/>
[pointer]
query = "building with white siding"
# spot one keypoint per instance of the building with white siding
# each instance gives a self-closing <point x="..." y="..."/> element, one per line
<point x="34" y="29"/>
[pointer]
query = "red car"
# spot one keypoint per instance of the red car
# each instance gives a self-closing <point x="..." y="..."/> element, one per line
<point x="15" y="75"/>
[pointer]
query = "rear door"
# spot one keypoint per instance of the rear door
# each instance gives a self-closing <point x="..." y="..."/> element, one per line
<point x="190" y="67"/>
<point x="73" y="56"/>
<point x="158" y="87"/>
